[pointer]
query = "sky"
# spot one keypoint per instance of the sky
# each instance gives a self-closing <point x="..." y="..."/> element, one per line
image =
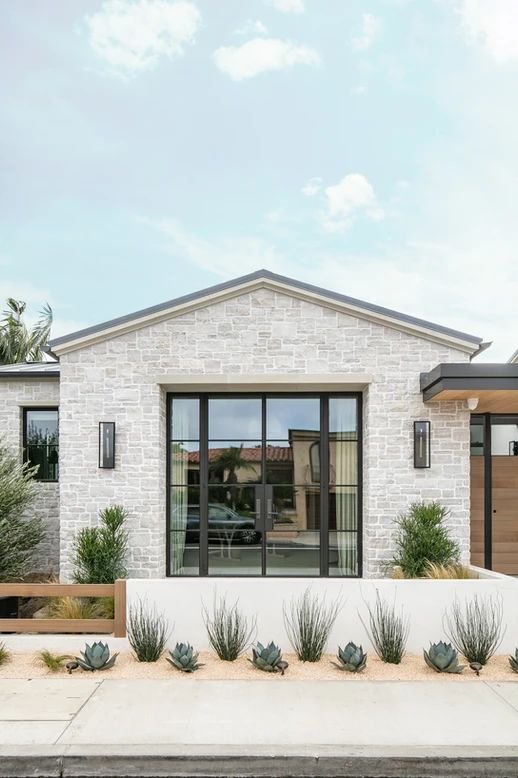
<point x="151" y="148"/>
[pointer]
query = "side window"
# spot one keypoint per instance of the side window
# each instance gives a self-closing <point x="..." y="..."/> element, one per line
<point x="41" y="441"/>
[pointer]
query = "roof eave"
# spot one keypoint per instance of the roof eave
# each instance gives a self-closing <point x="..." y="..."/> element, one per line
<point x="264" y="279"/>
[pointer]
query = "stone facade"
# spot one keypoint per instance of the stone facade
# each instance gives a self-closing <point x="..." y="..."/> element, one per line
<point x="260" y="332"/>
<point x="15" y="395"/>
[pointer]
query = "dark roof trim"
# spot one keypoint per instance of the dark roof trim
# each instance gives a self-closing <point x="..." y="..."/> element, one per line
<point x="469" y="375"/>
<point x="22" y="374"/>
<point x="267" y="275"/>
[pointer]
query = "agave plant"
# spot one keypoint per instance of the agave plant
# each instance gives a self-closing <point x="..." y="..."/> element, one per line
<point x="513" y="661"/>
<point x="184" y="658"/>
<point x="96" y="657"/>
<point x="352" y="658"/>
<point x="443" y="658"/>
<point x="268" y="658"/>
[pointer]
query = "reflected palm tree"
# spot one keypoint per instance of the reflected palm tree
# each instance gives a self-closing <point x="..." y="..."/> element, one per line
<point x="228" y="462"/>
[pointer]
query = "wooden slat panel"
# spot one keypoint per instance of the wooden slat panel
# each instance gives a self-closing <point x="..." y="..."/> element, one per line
<point x="119" y="629"/>
<point x="477" y="510"/>
<point x="56" y="590"/>
<point x="97" y="626"/>
<point x="505" y="514"/>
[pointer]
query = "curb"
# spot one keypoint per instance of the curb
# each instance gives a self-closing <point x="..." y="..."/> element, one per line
<point x="327" y="763"/>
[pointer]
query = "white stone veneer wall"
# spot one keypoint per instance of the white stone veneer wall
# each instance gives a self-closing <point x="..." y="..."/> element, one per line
<point x="261" y="332"/>
<point x="15" y="394"/>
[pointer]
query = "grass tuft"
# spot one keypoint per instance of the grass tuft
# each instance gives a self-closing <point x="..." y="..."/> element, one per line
<point x="454" y="571"/>
<point x="52" y="662"/>
<point x="309" y="621"/>
<point x="229" y="631"/>
<point x="4" y="654"/>
<point x="387" y="630"/>
<point x="476" y="629"/>
<point x="81" y="608"/>
<point x="148" y="632"/>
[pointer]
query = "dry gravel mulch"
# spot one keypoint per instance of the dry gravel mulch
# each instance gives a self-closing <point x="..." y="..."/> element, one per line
<point x="412" y="668"/>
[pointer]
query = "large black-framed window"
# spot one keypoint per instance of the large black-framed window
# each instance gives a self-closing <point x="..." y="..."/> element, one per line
<point x="41" y="441"/>
<point x="264" y="484"/>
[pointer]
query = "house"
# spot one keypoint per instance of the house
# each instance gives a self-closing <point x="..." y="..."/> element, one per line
<point x="265" y="426"/>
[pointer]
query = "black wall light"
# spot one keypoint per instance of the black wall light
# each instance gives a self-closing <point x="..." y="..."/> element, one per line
<point x="422" y="444"/>
<point x="107" y="444"/>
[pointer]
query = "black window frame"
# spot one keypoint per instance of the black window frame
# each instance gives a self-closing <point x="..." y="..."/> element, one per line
<point x="324" y="397"/>
<point x="27" y="409"/>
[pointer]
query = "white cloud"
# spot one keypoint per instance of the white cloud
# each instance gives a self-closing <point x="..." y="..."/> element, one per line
<point x="228" y="257"/>
<point x="312" y="187"/>
<point x="371" y="30"/>
<point x="132" y="36"/>
<point x="359" y="89"/>
<point x="260" y="55"/>
<point x="288" y="6"/>
<point x="252" y="27"/>
<point x="346" y="200"/>
<point x="494" y="25"/>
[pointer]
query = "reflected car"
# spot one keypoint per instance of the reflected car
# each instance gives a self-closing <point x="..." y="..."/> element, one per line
<point x="224" y="525"/>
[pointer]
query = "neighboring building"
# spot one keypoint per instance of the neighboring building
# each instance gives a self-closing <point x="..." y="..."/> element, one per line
<point x="267" y="427"/>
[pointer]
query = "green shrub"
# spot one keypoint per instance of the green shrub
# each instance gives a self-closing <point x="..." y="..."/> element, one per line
<point x="100" y="552"/>
<point x="309" y="621"/>
<point x="476" y="629"/>
<point x="387" y="630"/>
<point x="229" y="631"/>
<point x="148" y="632"/>
<point x="423" y="538"/>
<point x="18" y="536"/>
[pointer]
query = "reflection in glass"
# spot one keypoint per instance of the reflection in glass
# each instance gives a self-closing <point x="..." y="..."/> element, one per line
<point x="289" y="552"/>
<point x="42" y="444"/>
<point x="185" y="463"/>
<point x="184" y="553"/>
<point x="288" y="415"/>
<point x="343" y="516"/>
<point x="295" y="507"/>
<point x="343" y="462"/>
<point x="343" y="555"/>
<point x="185" y="418"/>
<point x="237" y="418"/>
<point x="239" y="503"/>
<point x="234" y="462"/>
<point x="504" y="440"/>
<point x="342" y="418"/>
<point x="237" y="553"/>
<point x="476" y="438"/>
<point x="293" y="462"/>
<point x="184" y="520"/>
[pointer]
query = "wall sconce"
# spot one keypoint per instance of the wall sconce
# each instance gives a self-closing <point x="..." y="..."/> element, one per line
<point x="421" y="444"/>
<point x="107" y="444"/>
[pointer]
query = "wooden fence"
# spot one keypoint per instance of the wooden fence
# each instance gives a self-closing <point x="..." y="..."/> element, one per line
<point x="115" y="626"/>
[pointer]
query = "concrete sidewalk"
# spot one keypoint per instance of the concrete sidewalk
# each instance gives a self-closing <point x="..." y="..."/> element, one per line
<point x="131" y="727"/>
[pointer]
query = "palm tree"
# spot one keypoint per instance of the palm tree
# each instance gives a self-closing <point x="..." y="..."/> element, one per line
<point x="17" y="343"/>
<point x="229" y="461"/>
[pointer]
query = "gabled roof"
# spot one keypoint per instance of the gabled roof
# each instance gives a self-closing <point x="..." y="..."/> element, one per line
<point x="266" y="279"/>
<point x="30" y="370"/>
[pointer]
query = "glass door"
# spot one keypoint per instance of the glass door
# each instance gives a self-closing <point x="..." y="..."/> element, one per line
<point x="263" y="485"/>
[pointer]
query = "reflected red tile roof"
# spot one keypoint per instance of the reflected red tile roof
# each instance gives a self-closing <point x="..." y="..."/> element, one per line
<point x="273" y="454"/>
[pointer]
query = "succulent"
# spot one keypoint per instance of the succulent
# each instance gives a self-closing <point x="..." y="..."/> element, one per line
<point x="268" y="658"/>
<point x="184" y="658"/>
<point x="351" y="658"/>
<point x="443" y="658"/>
<point x="513" y="661"/>
<point x="96" y="657"/>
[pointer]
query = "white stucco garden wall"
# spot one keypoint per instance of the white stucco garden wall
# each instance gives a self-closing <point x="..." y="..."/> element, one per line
<point x="15" y="395"/>
<point x="423" y="603"/>
<point x="261" y="332"/>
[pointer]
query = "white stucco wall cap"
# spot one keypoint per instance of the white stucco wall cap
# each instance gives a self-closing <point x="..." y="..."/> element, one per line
<point x="231" y="382"/>
<point x="259" y="280"/>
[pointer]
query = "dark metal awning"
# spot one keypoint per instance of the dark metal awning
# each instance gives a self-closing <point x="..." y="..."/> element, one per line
<point x="494" y="385"/>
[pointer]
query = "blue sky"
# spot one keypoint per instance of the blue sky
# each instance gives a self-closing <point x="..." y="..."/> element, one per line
<point x="149" y="148"/>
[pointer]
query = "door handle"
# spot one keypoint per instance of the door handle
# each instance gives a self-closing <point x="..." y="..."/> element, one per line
<point x="257" y="507"/>
<point x="269" y="514"/>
